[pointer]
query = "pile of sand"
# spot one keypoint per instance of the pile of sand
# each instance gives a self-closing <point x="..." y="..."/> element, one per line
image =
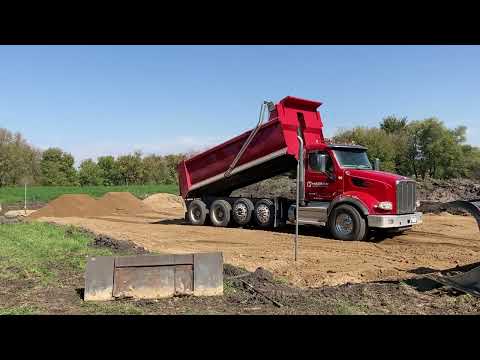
<point x="77" y="205"/>
<point x="81" y="205"/>
<point x="123" y="203"/>
<point x="165" y="202"/>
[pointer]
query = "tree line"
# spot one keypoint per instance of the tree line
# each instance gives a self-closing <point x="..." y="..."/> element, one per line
<point x="420" y="148"/>
<point x="22" y="163"/>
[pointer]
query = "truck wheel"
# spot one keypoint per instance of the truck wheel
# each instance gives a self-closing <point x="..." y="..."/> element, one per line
<point x="220" y="213"/>
<point x="264" y="213"/>
<point x="197" y="212"/>
<point x="242" y="211"/>
<point x="346" y="223"/>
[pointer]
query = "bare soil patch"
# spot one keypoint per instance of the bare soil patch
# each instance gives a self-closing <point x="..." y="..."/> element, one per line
<point x="331" y="276"/>
<point x="371" y="298"/>
<point x="443" y="241"/>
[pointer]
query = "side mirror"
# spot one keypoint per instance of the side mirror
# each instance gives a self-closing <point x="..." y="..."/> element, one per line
<point x="322" y="162"/>
<point x="376" y="164"/>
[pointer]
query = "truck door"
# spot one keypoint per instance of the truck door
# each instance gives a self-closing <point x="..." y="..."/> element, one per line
<point x="320" y="185"/>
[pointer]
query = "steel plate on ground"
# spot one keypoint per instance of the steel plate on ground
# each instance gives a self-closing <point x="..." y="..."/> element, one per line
<point x="468" y="282"/>
<point x="144" y="260"/>
<point x="99" y="278"/>
<point x="183" y="259"/>
<point x="208" y="274"/>
<point x="147" y="282"/>
<point x="183" y="279"/>
<point x="472" y="206"/>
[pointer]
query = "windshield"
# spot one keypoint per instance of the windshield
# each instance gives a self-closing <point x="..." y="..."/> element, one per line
<point x="352" y="159"/>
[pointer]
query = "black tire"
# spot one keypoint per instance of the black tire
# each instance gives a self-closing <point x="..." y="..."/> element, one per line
<point x="220" y="213"/>
<point x="242" y="211"/>
<point x="197" y="212"/>
<point x="346" y="223"/>
<point x="264" y="213"/>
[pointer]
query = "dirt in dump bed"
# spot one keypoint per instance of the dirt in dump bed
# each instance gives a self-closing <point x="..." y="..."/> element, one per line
<point x="427" y="190"/>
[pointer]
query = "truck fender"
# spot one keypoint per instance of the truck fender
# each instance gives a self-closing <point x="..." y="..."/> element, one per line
<point x="343" y="199"/>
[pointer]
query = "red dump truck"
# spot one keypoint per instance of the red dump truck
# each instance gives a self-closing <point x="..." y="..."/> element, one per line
<point x="337" y="185"/>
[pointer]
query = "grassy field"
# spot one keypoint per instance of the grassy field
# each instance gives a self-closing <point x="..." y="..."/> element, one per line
<point x="28" y="251"/>
<point x="42" y="268"/>
<point x="10" y="195"/>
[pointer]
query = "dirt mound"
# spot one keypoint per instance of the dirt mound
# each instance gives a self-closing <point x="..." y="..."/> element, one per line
<point x="77" y="205"/>
<point x="448" y="190"/>
<point x="165" y="202"/>
<point x="120" y="245"/>
<point x="81" y="205"/>
<point x="123" y="203"/>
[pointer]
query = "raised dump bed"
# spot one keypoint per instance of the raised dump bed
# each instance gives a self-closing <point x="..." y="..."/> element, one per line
<point x="272" y="151"/>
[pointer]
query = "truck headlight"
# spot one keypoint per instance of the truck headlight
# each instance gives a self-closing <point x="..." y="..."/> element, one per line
<point x="385" y="205"/>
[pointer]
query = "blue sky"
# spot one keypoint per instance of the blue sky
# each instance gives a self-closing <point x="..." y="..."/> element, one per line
<point x="94" y="100"/>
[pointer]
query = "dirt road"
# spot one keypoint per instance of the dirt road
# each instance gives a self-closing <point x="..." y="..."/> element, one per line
<point x="441" y="242"/>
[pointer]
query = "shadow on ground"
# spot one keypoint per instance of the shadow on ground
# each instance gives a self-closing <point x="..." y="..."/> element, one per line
<point x="304" y="230"/>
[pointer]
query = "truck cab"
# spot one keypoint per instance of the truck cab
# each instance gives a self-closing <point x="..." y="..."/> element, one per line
<point x="344" y="191"/>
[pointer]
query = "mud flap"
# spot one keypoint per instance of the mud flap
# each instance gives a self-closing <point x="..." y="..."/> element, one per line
<point x="468" y="282"/>
<point x="153" y="276"/>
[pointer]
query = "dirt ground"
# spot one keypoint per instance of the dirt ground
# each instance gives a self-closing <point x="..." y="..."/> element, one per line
<point x="443" y="241"/>
<point x="271" y="296"/>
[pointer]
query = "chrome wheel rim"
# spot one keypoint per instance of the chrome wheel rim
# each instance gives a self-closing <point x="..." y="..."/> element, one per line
<point x="241" y="212"/>
<point x="196" y="213"/>
<point x="344" y="224"/>
<point x="263" y="213"/>
<point x="218" y="214"/>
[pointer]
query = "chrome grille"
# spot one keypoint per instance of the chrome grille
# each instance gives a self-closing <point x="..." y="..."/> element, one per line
<point x="406" y="196"/>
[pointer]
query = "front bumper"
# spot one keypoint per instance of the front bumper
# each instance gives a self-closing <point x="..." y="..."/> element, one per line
<point x="394" y="221"/>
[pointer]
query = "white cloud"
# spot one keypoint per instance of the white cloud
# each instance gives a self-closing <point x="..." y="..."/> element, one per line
<point x="473" y="135"/>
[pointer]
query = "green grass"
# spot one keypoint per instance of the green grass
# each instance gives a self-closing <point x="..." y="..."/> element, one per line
<point x="48" y="256"/>
<point x="343" y="307"/>
<point x="40" y="251"/>
<point x="18" y="310"/>
<point x="10" y="195"/>
<point x="111" y="307"/>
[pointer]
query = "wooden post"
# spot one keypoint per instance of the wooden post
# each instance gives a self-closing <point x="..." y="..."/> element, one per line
<point x="25" y="206"/>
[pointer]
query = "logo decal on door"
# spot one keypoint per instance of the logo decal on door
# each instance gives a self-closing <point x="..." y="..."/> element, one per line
<point x="316" y="184"/>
